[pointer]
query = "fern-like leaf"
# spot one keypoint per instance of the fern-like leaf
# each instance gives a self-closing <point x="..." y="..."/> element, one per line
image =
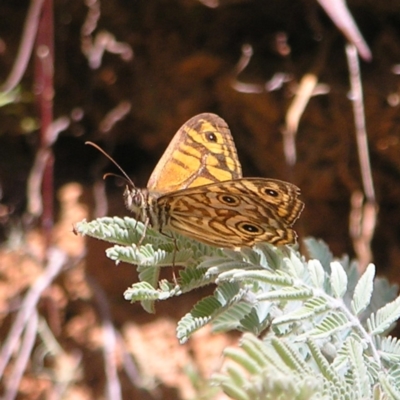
<point x="316" y="344"/>
<point x="383" y="319"/>
<point x="318" y="250"/>
<point x="338" y="279"/>
<point x="363" y="291"/>
<point x="332" y="323"/>
<point x="389" y="348"/>
<point x="225" y="297"/>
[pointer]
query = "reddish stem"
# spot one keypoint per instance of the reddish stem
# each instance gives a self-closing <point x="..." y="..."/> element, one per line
<point x="44" y="90"/>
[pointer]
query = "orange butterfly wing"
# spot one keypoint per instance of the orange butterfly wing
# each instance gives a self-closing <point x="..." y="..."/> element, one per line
<point x="201" y="152"/>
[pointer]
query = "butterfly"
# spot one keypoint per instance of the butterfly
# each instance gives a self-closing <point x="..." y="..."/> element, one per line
<point x="197" y="190"/>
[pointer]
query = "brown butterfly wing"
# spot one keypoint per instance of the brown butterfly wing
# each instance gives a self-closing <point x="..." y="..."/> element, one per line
<point x="234" y="214"/>
<point x="201" y="152"/>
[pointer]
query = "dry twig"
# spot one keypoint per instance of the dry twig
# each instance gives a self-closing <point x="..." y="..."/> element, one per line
<point x="362" y="217"/>
<point x="56" y="260"/>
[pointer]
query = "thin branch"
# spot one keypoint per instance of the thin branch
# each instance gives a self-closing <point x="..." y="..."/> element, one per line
<point x="22" y="358"/>
<point x="56" y="260"/>
<point x="129" y="366"/>
<point x="115" y="115"/>
<point x="67" y="366"/>
<point x="275" y="83"/>
<point x="362" y="218"/>
<point x="34" y="196"/>
<point x="296" y="109"/>
<point x="359" y="120"/>
<point x="247" y="53"/>
<point x="25" y="48"/>
<point x="44" y="95"/>
<point x="94" y="48"/>
<point x="109" y="342"/>
<point x="341" y="16"/>
<point x="362" y="226"/>
<point x="36" y="174"/>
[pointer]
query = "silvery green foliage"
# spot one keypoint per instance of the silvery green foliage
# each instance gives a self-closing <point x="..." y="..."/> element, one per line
<point x="323" y="325"/>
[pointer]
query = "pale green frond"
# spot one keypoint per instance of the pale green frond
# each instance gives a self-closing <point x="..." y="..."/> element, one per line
<point x="286" y="293"/>
<point x="363" y="291"/>
<point x="389" y="348"/>
<point x="394" y="375"/>
<point x="273" y="278"/>
<point x="353" y="275"/>
<point x="217" y="267"/>
<point x="341" y="361"/>
<point x="354" y="362"/>
<point x="147" y="256"/>
<point x="147" y="294"/>
<point x="193" y="278"/>
<point x="144" y="255"/>
<point x="255" y="349"/>
<point x="260" y="379"/>
<point x="144" y="291"/>
<point x="332" y="323"/>
<point x="311" y="313"/>
<point x="263" y="351"/>
<point x="323" y="365"/>
<point x="236" y="374"/>
<point x="150" y="275"/>
<point x="384" y="318"/>
<point x="378" y="393"/>
<point x="338" y="280"/>
<point x="294" y="266"/>
<point x="317" y="273"/>
<point x="209" y="308"/>
<point x="271" y="257"/>
<point x="199" y="316"/>
<point x="290" y="356"/>
<point x="360" y="380"/>
<point x="390" y="388"/>
<point x="249" y="255"/>
<point x="114" y="230"/>
<point x="254" y="322"/>
<point x="246" y="361"/>
<point x="383" y="293"/>
<point x="309" y="310"/>
<point x="374" y="367"/>
<point x="229" y="292"/>
<point x="319" y="250"/>
<point x="232" y="382"/>
<point x="232" y="318"/>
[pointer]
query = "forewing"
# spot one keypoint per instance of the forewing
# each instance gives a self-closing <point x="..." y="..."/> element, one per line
<point x="201" y="152"/>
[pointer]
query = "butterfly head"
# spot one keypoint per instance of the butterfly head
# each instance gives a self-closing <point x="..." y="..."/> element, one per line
<point x="136" y="200"/>
<point x="143" y="204"/>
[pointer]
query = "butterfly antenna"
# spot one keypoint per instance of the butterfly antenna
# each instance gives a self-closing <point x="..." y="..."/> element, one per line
<point x="125" y="175"/>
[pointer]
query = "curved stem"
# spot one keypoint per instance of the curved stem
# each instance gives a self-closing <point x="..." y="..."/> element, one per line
<point x="25" y="48"/>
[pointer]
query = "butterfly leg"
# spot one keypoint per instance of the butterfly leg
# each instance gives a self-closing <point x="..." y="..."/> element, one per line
<point x="173" y="238"/>
<point x="173" y="261"/>
<point x="146" y="224"/>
